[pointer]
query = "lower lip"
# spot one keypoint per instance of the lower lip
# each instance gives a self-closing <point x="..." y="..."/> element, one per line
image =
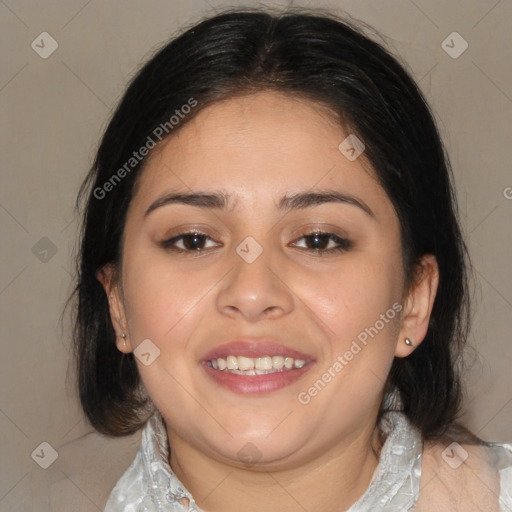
<point x="256" y="384"/>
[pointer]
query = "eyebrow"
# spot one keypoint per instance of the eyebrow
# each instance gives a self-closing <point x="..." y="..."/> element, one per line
<point x="291" y="201"/>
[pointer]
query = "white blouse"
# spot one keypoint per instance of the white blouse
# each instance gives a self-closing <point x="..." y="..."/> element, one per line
<point x="150" y="485"/>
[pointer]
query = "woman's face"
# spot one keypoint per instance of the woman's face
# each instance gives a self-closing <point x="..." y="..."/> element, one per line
<point x="262" y="278"/>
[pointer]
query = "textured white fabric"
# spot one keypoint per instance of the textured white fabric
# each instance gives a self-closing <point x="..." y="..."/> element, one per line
<point x="150" y="485"/>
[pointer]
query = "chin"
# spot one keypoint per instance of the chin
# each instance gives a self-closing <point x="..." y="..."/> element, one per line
<point x="261" y="454"/>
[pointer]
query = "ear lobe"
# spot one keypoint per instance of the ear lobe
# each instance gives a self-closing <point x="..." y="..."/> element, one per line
<point x="107" y="276"/>
<point x="418" y="306"/>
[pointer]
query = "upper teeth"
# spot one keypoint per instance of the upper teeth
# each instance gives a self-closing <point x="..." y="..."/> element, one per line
<point x="257" y="363"/>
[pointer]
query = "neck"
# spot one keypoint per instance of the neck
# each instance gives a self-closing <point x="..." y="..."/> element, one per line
<point x="331" y="482"/>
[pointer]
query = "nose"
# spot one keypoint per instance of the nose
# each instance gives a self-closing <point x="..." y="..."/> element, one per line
<point x="256" y="290"/>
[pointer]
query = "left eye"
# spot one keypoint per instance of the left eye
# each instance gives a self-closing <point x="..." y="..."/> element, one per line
<point x="324" y="242"/>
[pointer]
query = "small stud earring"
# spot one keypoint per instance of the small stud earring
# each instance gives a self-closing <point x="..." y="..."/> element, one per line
<point x="124" y="339"/>
<point x="409" y="342"/>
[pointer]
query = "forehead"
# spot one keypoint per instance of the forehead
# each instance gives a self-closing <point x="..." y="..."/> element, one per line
<point x="258" y="147"/>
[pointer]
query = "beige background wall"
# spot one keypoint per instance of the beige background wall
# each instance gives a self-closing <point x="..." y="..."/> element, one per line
<point x="53" y="112"/>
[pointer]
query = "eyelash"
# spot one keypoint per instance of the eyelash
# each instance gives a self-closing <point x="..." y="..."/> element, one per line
<point x="343" y="243"/>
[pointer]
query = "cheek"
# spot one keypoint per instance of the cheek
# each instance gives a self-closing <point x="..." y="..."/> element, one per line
<point x="356" y="303"/>
<point x="159" y="297"/>
<point x="353" y="295"/>
<point x="164" y="306"/>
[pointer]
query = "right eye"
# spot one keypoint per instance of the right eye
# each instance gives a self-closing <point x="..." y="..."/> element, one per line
<point x="192" y="242"/>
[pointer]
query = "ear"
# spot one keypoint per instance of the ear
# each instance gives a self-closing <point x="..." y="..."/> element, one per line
<point x="107" y="276"/>
<point x="418" y="305"/>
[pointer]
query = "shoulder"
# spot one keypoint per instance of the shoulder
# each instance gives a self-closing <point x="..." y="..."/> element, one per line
<point x="459" y="477"/>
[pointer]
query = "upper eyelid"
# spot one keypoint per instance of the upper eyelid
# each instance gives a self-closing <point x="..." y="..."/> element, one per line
<point x="308" y="232"/>
<point x="183" y="234"/>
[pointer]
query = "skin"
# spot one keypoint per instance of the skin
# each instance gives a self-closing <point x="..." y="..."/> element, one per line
<point x="257" y="148"/>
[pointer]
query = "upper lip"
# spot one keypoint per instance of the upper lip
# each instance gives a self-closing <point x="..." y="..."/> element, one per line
<point x="252" y="347"/>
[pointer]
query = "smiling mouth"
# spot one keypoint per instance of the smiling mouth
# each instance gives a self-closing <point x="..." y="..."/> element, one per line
<point x="241" y="365"/>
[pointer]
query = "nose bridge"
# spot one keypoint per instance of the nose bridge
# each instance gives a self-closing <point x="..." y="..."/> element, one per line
<point x="253" y="288"/>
